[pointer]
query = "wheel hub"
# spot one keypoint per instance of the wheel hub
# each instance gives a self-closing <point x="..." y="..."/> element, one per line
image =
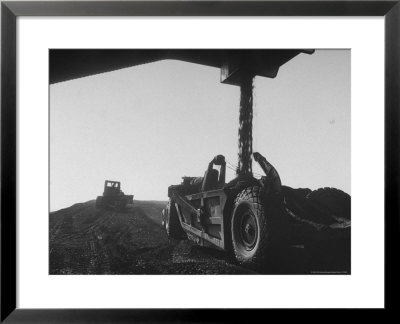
<point x="248" y="231"/>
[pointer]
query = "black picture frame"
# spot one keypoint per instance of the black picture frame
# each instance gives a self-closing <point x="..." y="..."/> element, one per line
<point x="10" y="10"/>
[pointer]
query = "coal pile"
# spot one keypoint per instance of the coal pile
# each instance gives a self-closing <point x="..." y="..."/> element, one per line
<point x="86" y="240"/>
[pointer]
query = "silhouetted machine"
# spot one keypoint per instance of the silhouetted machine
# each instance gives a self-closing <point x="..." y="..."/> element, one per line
<point x="250" y="217"/>
<point x="247" y="217"/>
<point x="113" y="197"/>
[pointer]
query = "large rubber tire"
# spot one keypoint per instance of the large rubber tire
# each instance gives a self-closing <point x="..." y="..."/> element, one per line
<point x="332" y="200"/>
<point x="172" y="224"/>
<point x="250" y="228"/>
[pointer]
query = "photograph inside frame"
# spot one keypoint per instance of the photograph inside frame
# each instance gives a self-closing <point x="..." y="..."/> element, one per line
<point x="200" y="161"/>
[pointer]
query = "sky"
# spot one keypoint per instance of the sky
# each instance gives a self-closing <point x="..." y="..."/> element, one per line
<point x="149" y="125"/>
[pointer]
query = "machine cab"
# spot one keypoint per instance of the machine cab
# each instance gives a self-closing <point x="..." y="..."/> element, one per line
<point x="111" y="187"/>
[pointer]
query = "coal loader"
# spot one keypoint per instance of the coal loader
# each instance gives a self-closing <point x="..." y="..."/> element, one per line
<point x="251" y="217"/>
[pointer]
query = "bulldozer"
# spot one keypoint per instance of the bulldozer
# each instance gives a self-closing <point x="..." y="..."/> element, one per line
<point x="113" y="197"/>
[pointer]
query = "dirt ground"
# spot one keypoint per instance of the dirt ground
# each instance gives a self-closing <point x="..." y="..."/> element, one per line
<point x="86" y="240"/>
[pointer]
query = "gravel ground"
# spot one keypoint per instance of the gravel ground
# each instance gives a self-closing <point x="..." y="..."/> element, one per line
<point x="86" y="240"/>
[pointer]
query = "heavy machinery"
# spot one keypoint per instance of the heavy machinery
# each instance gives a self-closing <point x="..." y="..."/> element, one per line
<point x="113" y="197"/>
<point x="250" y="217"/>
<point x="247" y="216"/>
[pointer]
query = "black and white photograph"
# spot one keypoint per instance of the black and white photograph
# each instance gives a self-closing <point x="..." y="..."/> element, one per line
<point x="189" y="161"/>
<point x="199" y="161"/>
